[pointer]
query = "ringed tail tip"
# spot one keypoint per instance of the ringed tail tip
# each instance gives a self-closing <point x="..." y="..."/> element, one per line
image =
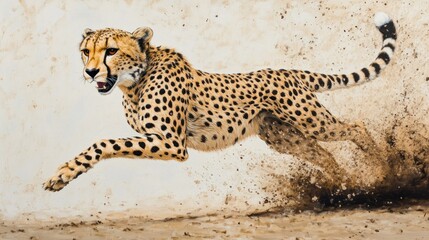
<point x="385" y="25"/>
<point x="381" y="18"/>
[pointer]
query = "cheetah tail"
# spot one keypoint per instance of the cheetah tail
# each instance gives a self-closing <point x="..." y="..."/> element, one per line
<point x="323" y="82"/>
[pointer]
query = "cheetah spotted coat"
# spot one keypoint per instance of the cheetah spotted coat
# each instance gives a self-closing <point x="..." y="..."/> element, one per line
<point x="174" y="106"/>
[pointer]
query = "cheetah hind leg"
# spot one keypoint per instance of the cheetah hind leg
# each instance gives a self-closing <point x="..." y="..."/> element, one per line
<point x="284" y="138"/>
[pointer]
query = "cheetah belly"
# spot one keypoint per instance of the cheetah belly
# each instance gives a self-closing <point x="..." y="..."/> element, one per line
<point x="209" y="132"/>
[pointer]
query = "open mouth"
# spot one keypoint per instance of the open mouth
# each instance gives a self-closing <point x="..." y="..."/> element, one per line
<point x="106" y="87"/>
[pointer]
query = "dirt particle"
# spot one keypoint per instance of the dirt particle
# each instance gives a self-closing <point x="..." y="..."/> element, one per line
<point x="415" y="55"/>
<point x="219" y="231"/>
<point x="98" y="222"/>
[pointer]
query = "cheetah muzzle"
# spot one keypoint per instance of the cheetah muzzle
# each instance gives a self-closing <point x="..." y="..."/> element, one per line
<point x="107" y="87"/>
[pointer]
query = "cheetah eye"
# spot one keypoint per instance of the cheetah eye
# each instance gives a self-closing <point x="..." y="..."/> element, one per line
<point x="111" y="51"/>
<point x="85" y="52"/>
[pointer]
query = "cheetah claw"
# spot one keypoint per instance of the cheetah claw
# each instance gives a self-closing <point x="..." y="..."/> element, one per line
<point x="63" y="176"/>
<point x="54" y="184"/>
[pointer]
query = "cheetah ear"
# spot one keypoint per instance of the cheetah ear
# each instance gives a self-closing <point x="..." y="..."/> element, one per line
<point x="87" y="32"/>
<point x="143" y="36"/>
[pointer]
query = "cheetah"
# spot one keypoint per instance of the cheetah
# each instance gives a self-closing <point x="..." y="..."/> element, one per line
<point x="173" y="106"/>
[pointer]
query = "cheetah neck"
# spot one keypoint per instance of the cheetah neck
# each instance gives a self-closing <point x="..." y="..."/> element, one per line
<point x="157" y="58"/>
<point x="129" y="91"/>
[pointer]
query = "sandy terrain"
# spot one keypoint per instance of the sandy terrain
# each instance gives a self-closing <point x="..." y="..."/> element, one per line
<point x="405" y="222"/>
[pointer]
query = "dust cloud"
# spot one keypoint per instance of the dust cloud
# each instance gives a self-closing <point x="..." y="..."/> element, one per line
<point x="405" y="177"/>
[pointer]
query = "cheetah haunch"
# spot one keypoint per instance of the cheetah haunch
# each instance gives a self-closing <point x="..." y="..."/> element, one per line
<point x="174" y="106"/>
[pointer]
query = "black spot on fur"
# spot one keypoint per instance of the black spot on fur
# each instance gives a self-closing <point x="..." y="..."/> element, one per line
<point x="384" y="56"/>
<point x="154" y="149"/>
<point x="355" y="77"/>
<point x="230" y="129"/>
<point x="388" y="30"/>
<point x="128" y="144"/>
<point x="376" y="67"/>
<point x="366" y="72"/>
<point x="345" y="80"/>
<point x="137" y="153"/>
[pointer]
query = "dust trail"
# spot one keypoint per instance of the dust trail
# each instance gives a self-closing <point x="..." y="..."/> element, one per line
<point x="406" y="176"/>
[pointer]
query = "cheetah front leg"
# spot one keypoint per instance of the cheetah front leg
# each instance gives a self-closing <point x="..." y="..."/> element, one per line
<point x="150" y="146"/>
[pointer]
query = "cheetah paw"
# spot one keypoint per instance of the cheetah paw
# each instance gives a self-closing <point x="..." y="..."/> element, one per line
<point x="54" y="184"/>
<point x="60" y="180"/>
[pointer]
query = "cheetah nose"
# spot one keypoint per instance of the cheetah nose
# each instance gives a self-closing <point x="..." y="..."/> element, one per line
<point x="92" y="72"/>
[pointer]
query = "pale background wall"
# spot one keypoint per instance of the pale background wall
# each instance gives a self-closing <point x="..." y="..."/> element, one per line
<point x="49" y="114"/>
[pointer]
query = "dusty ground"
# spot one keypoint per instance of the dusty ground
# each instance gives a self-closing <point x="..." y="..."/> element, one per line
<point x="410" y="221"/>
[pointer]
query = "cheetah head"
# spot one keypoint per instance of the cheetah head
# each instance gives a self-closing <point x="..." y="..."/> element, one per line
<point x="113" y="57"/>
